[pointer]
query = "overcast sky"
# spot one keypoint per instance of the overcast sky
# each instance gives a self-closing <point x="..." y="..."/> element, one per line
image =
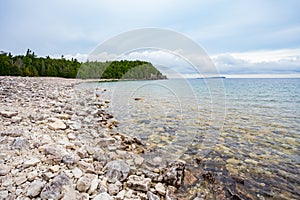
<point x="241" y="37"/>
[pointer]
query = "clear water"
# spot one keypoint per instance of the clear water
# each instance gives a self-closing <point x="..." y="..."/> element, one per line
<point x="249" y="127"/>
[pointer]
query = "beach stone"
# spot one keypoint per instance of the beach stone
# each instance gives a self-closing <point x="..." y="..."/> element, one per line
<point x="120" y="195"/>
<point x="104" y="142"/>
<point x="94" y="185"/>
<point x="34" y="188"/>
<point x="8" y="114"/>
<point x="70" y="159"/>
<point x="174" y="173"/>
<point x="57" y="125"/>
<point x="189" y="179"/>
<point x="160" y="188"/>
<point x="16" y="119"/>
<point x="4" y="169"/>
<point x="117" y="170"/>
<point x="20" y="179"/>
<point x="20" y="143"/>
<point x="31" y="162"/>
<point x="69" y="193"/>
<point x="138" y="160"/>
<point x="32" y="175"/>
<point x="84" y="182"/>
<point x="138" y="183"/>
<point x="77" y="172"/>
<point x="113" y="189"/>
<point x="4" y="194"/>
<point x="103" y="196"/>
<point x="53" y="189"/>
<point x="152" y="196"/>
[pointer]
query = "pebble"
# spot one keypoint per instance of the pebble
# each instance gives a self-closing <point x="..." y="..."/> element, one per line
<point x="57" y="125"/>
<point x="77" y="172"/>
<point x="139" y="183"/>
<point x="31" y="162"/>
<point x="34" y="188"/>
<point x="103" y="196"/>
<point x="160" y="188"/>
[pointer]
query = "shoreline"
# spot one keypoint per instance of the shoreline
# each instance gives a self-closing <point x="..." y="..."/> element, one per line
<point x="62" y="144"/>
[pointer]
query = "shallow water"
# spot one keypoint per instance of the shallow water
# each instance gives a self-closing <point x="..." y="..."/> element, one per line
<point x="250" y="127"/>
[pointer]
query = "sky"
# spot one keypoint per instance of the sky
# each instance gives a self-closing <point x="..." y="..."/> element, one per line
<point x="241" y="37"/>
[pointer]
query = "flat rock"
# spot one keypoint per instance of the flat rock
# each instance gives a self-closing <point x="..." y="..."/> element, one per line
<point x="31" y="162"/>
<point x="69" y="193"/>
<point x="8" y="114"/>
<point x="35" y="188"/>
<point x="160" y="188"/>
<point x="117" y="170"/>
<point x="152" y="196"/>
<point x="139" y="183"/>
<point x="103" y="196"/>
<point x="57" y="125"/>
<point x="4" y="169"/>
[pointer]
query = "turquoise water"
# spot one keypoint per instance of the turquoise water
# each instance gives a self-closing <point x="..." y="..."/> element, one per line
<point x="249" y="128"/>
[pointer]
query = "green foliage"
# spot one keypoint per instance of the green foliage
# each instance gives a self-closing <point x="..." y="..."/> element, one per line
<point x="31" y="65"/>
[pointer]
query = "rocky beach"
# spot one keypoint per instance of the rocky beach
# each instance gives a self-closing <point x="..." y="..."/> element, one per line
<point x="58" y="143"/>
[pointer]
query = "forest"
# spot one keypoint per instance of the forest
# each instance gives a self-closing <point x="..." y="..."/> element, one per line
<point x="31" y="65"/>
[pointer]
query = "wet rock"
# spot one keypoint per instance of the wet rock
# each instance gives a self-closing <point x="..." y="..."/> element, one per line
<point x="189" y="179"/>
<point x="103" y="196"/>
<point x="57" y="125"/>
<point x="8" y="114"/>
<point x="152" y="196"/>
<point x="174" y="173"/>
<point x="117" y="170"/>
<point x="31" y="162"/>
<point x="138" y="183"/>
<point x="53" y="189"/>
<point x="34" y="188"/>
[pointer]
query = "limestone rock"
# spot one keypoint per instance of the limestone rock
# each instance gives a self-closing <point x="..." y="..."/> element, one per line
<point x="173" y="174"/>
<point x="84" y="183"/>
<point x="160" y="188"/>
<point x="139" y="183"/>
<point x="53" y="189"/>
<point x="152" y="196"/>
<point x="31" y="162"/>
<point x="57" y="125"/>
<point x="103" y="196"/>
<point x="8" y="114"/>
<point x="34" y="188"/>
<point x="69" y="193"/>
<point x="20" y="143"/>
<point x="77" y="172"/>
<point x="117" y="170"/>
<point x="4" y="169"/>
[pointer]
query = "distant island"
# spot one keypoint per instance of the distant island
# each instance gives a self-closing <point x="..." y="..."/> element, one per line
<point x="31" y="65"/>
<point x="211" y="77"/>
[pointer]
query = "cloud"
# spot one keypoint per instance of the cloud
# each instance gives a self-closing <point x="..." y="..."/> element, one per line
<point x="282" y="61"/>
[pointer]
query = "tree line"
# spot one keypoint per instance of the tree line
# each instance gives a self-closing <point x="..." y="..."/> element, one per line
<point x="31" y="65"/>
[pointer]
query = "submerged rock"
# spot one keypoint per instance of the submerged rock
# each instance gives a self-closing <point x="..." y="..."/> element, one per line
<point x="174" y="173"/>
<point x="117" y="170"/>
<point x="139" y="183"/>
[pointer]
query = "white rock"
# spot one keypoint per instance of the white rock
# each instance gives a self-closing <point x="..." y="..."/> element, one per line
<point x="121" y="195"/>
<point x="32" y="175"/>
<point x="103" y="196"/>
<point x="16" y="119"/>
<point x="3" y="194"/>
<point x="113" y="189"/>
<point x="69" y="193"/>
<point x="35" y="188"/>
<point x="54" y="168"/>
<point x="4" y="169"/>
<point x="8" y="114"/>
<point x="160" y="188"/>
<point x="31" y="162"/>
<point x="94" y="185"/>
<point x="20" y="179"/>
<point x="57" y="125"/>
<point x="77" y="172"/>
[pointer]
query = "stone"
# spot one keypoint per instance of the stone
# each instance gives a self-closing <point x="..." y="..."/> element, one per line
<point x="4" y="194"/>
<point x="103" y="196"/>
<point x="20" y="143"/>
<point x="94" y="185"/>
<point x="174" y="173"/>
<point x="34" y="188"/>
<point x="53" y="189"/>
<point x="120" y="195"/>
<point x="138" y="160"/>
<point x="4" y="169"/>
<point x="189" y="179"/>
<point x="71" y="136"/>
<point x="8" y="114"/>
<point x="138" y="183"/>
<point x="31" y="162"/>
<point x="54" y="168"/>
<point x="32" y="175"/>
<point x="70" y="159"/>
<point x="57" y="125"/>
<point x="160" y="188"/>
<point x="86" y="167"/>
<point x="117" y="170"/>
<point x="84" y="182"/>
<point x="104" y="142"/>
<point x="77" y="172"/>
<point x="152" y="196"/>
<point x="16" y="119"/>
<point x="113" y="189"/>
<point x="64" y="116"/>
<point x="69" y="193"/>
<point x="20" y="179"/>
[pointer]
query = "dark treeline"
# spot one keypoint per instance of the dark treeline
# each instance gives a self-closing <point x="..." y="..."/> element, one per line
<point x="31" y="65"/>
